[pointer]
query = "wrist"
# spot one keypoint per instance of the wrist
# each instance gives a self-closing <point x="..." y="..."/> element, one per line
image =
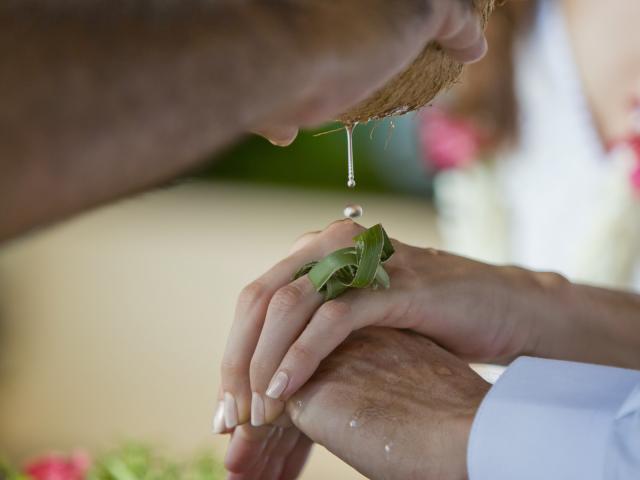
<point x="536" y="304"/>
<point x="461" y="429"/>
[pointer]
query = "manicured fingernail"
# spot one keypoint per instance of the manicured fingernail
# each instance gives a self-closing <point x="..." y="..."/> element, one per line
<point x="277" y="385"/>
<point x="230" y="411"/>
<point x="218" y="418"/>
<point x="257" y="410"/>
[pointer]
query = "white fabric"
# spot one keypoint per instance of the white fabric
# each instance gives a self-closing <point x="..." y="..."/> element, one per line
<point x="557" y="420"/>
<point x="558" y="201"/>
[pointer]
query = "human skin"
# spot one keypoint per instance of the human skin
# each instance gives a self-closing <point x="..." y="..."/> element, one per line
<point x="391" y="403"/>
<point x="480" y="312"/>
<point x="101" y="99"/>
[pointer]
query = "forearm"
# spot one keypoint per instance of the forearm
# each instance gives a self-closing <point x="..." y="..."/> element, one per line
<point x="583" y="323"/>
<point x="99" y="102"/>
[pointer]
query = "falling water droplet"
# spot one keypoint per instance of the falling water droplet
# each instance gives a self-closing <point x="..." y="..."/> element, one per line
<point x="351" y="181"/>
<point x="352" y="210"/>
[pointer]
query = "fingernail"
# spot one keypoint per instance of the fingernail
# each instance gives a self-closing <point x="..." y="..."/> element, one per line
<point x="218" y="418"/>
<point x="257" y="410"/>
<point x="230" y="411"/>
<point x="277" y="385"/>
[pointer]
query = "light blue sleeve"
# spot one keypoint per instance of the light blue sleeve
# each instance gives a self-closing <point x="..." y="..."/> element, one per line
<point x="556" y="420"/>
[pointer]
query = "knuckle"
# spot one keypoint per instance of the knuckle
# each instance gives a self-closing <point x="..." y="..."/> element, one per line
<point x="334" y="312"/>
<point x="302" y="353"/>
<point x="231" y="368"/>
<point x="260" y="373"/>
<point x="343" y="227"/>
<point x="252" y="294"/>
<point x="287" y="297"/>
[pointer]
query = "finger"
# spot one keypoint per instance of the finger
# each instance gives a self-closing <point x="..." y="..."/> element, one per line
<point x="461" y="35"/>
<point x="279" y="454"/>
<point x="303" y="241"/>
<point x="281" y="136"/>
<point x="250" y="314"/>
<point x="255" y="473"/>
<point x="288" y="313"/>
<point x="246" y="447"/>
<point x="332" y="323"/>
<point x="297" y="458"/>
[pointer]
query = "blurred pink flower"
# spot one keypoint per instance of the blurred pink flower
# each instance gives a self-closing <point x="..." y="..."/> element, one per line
<point x="634" y="144"/>
<point x="447" y="142"/>
<point x="59" y="467"/>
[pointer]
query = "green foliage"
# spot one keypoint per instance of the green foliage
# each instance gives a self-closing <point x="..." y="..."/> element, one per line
<point x="7" y="472"/>
<point x="352" y="267"/>
<point x="139" y="462"/>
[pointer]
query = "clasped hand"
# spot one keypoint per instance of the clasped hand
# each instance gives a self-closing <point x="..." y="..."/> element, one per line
<point x="283" y="331"/>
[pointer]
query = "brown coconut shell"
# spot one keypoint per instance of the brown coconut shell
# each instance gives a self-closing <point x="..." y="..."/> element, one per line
<point x="432" y="72"/>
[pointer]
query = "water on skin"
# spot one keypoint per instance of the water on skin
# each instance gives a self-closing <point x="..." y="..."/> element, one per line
<point x="388" y="447"/>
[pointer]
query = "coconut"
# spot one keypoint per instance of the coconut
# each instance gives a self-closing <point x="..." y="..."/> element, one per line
<point x="433" y="71"/>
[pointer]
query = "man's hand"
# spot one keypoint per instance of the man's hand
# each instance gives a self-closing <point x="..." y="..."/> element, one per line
<point x="391" y="403"/>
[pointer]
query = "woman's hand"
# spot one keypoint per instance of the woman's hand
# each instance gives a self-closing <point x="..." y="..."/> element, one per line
<point x="283" y="329"/>
<point x="371" y="42"/>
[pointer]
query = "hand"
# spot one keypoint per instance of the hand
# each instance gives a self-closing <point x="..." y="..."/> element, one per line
<point x="373" y="41"/>
<point x="390" y="403"/>
<point x="283" y="329"/>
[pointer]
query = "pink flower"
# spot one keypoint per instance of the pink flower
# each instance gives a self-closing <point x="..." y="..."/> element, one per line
<point x="634" y="144"/>
<point x="59" y="467"/>
<point x="447" y="142"/>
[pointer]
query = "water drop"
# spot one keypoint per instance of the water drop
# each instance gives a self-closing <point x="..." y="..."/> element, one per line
<point x="387" y="450"/>
<point x="353" y="423"/>
<point x="351" y="181"/>
<point x="352" y="210"/>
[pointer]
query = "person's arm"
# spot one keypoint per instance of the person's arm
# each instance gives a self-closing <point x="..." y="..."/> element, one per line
<point x="101" y="98"/>
<point x="558" y="420"/>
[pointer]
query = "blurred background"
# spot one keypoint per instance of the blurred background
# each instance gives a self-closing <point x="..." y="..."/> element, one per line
<point x="114" y="322"/>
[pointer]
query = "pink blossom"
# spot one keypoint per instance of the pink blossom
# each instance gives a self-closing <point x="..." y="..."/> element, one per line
<point x="634" y="144"/>
<point x="59" y="467"/>
<point x="447" y="142"/>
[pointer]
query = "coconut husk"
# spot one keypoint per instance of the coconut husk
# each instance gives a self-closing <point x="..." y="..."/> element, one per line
<point x="433" y="71"/>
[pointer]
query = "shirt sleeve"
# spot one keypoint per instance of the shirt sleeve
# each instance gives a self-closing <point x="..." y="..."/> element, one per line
<point x="552" y="420"/>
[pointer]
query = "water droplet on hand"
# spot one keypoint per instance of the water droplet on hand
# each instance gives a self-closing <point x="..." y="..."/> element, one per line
<point x="387" y="450"/>
<point x="352" y="210"/>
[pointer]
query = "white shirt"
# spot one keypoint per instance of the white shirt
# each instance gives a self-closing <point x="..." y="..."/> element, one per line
<point x="556" y="420"/>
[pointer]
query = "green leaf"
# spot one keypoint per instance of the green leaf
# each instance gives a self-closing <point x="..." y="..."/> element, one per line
<point x="369" y="246"/>
<point x="332" y="264"/>
<point x="352" y="267"/>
